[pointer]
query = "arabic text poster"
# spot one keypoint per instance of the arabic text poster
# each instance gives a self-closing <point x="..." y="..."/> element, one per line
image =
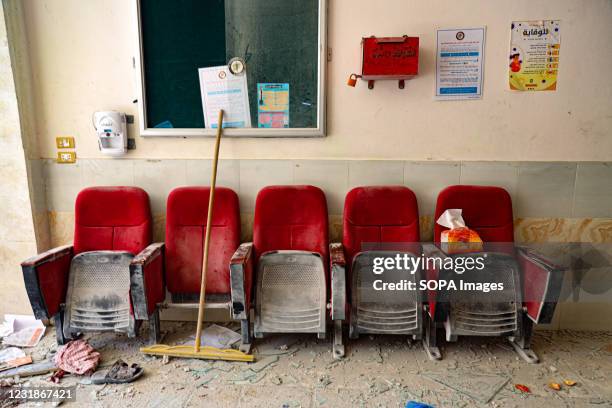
<point x="460" y="63"/>
<point x="534" y="55"/>
<point x="221" y="89"/>
<point x="273" y="105"/>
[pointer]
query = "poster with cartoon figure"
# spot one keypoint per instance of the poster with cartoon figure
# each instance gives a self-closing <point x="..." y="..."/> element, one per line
<point x="534" y="55"/>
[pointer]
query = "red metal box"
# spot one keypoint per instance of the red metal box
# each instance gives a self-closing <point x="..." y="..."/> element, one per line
<point x="390" y="57"/>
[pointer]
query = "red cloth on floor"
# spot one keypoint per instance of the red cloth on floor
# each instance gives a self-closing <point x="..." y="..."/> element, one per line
<point x="77" y="357"/>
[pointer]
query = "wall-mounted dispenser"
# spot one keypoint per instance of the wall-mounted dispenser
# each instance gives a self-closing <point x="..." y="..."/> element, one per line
<point x="111" y="130"/>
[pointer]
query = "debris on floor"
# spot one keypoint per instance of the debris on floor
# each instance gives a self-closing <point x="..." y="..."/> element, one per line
<point x="29" y="370"/>
<point x="300" y="371"/>
<point x="21" y="330"/>
<point x="216" y="336"/>
<point x="479" y="386"/>
<point x="13" y="357"/>
<point x="277" y="345"/>
<point x="522" y="388"/>
<point x="119" y="373"/>
<point x="77" y="357"/>
<point x="262" y="363"/>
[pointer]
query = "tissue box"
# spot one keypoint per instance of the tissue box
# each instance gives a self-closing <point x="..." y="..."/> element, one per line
<point x="460" y="240"/>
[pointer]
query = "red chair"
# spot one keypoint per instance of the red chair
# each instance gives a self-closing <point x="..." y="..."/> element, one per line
<point x="291" y="254"/>
<point x="86" y="286"/>
<point x="227" y="289"/>
<point x="378" y="223"/>
<point x="531" y="283"/>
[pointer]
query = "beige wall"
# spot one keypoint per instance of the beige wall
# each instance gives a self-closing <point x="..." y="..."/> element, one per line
<point x="18" y="235"/>
<point x="82" y="62"/>
<point x="75" y="57"/>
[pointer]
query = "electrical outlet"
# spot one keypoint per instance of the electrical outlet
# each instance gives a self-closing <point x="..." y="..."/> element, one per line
<point x="64" y="142"/>
<point x="66" y="157"/>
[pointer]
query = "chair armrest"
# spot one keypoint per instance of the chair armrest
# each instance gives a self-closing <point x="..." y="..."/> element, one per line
<point x="147" y="286"/>
<point x="542" y="281"/>
<point x="148" y="254"/>
<point x="49" y="256"/>
<point x="540" y="259"/>
<point x="337" y="264"/>
<point x="241" y="280"/>
<point x="46" y="277"/>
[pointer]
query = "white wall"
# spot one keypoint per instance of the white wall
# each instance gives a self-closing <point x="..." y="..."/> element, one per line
<point x="81" y="54"/>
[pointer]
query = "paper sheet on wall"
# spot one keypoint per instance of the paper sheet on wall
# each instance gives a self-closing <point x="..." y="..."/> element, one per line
<point x="273" y="105"/>
<point x="534" y="55"/>
<point x="220" y="89"/>
<point x="460" y="63"/>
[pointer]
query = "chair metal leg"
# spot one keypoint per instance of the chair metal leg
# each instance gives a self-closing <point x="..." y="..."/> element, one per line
<point x="63" y="333"/>
<point x="353" y="332"/>
<point x="134" y="327"/>
<point x="522" y="341"/>
<point x="58" y="319"/>
<point x="246" y="339"/>
<point x="338" y="348"/>
<point x="430" y="341"/>
<point x="154" y="327"/>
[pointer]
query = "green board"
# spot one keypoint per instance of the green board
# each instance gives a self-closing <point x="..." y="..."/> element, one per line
<point x="278" y="39"/>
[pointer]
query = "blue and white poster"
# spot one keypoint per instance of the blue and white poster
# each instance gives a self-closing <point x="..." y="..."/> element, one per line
<point x="460" y="63"/>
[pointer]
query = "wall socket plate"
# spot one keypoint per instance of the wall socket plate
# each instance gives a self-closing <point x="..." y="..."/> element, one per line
<point x="64" y="142"/>
<point x="66" y="157"/>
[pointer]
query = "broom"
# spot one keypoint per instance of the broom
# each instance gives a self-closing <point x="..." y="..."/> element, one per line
<point x="205" y="352"/>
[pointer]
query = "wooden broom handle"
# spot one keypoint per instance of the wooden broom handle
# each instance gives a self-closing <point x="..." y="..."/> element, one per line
<point x="211" y="200"/>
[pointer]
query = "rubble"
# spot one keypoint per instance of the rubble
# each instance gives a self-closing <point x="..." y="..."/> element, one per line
<point x="308" y="376"/>
<point x="324" y="380"/>
<point x="263" y="363"/>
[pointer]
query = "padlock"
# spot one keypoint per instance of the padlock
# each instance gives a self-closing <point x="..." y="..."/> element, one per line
<point x="352" y="81"/>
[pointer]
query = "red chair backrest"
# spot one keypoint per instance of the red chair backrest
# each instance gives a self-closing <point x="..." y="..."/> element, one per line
<point x="380" y="215"/>
<point x="486" y="210"/>
<point x="112" y="218"/>
<point x="291" y="217"/>
<point x="187" y="210"/>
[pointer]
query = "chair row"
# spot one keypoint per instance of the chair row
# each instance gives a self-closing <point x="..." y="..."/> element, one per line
<point x="293" y="279"/>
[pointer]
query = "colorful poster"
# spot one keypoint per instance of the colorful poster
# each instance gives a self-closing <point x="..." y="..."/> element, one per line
<point x="460" y="63"/>
<point x="220" y="89"/>
<point x="534" y="55"/>
<point x="273" y="105"/>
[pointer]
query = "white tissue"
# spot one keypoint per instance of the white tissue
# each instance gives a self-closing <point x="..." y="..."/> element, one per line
<point x="451" y="219"/>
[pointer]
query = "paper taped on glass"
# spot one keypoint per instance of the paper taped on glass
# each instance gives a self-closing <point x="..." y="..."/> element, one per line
<point x="273" y="105"/>
<point x="221" y="89"/>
